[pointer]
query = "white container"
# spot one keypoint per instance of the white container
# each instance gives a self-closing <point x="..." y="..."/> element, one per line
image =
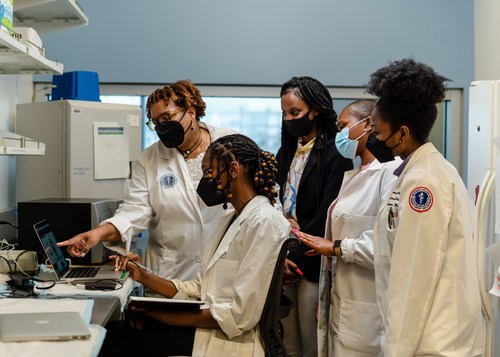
<point x="30" y="38"/>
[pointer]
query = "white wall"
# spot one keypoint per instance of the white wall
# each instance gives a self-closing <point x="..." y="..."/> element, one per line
<point x="13" y="90"/>
<point x="262" y="42"/>
<point x="487" y="33"/>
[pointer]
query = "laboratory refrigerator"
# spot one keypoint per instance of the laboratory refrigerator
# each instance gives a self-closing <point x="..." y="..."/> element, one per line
<point x="89" y="149"/>
<point x="483" y="186"/>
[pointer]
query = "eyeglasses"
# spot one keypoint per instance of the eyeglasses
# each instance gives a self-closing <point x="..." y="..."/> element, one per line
<point x="162" y="119"/>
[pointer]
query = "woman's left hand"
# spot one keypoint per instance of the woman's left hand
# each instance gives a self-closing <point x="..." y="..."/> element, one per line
<point x="317" y="244"/>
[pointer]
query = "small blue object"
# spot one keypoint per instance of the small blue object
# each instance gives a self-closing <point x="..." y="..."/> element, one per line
<point x="77" y="85"/>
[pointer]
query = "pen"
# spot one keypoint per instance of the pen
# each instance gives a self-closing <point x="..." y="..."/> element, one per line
<point x="140" y="266"/>
<point x="124" y="255"/>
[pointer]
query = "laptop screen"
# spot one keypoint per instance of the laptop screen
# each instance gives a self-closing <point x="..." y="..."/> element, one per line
<point x="49" y="244"/>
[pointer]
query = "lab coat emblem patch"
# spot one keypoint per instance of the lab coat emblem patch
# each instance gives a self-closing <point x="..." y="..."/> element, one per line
<point x="421" y="199"/>
<point x="168" y="181"/>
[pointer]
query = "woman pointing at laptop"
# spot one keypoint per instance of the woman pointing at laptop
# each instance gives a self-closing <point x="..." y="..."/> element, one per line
<point x="162" y="192"/>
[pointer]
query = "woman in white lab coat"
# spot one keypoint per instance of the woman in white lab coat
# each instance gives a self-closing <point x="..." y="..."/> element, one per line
<point x="238" y="264"/>
<point x="348" y="318"/>
<point x="425" y="271"/>
<point x="162" y="192"/>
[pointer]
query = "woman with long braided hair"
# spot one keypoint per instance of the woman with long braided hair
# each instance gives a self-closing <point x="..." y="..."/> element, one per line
<point x="238" y="264"/>
<point x="310" y="175"/>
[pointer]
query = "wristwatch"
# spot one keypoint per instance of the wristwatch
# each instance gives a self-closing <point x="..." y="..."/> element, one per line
<point x="337" y="251"/>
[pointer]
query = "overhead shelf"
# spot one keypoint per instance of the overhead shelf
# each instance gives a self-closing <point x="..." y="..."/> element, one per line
<point x="49" y="15"/>
<point x="16" y="58"/>
<point x="15" y="144"/>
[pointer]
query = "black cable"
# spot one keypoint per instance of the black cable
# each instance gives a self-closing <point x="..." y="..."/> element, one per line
<point x="10" y="224"/>
<point x="16" y="261"/>
<point x="44" y="281"/>
<point x="18" y="275"/>
<point x="10" y="267"/>
<point x="19" y="255"/>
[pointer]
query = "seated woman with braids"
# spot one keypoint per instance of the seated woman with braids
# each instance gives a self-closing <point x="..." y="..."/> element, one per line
<point x="239" y="262"/>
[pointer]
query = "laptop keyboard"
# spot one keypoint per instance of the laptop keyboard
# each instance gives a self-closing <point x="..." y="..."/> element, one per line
<point x="86" y="272"/>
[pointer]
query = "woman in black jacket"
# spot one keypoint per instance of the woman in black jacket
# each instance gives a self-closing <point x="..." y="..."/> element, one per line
<point x="310" y="175"/>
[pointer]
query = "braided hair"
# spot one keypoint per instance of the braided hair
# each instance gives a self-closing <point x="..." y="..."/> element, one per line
<point x="317" y="97"/>
<point x="183" y="93"/>
<point x="261" y="166"/>
<point x="408" y="92"/>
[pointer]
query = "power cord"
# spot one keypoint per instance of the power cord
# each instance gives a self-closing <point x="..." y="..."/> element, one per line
<point x="8" y="263"/>
<point x="8" y="223"/>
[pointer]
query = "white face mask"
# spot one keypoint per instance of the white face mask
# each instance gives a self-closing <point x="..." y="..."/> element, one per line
<point x="346" y="146"/>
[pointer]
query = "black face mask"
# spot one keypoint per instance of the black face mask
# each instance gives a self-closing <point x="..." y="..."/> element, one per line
<point x="171" y="133"/>
<point x="207" y="190"/>
<point x="379" y="149"/>
<point x="299" y="127"/>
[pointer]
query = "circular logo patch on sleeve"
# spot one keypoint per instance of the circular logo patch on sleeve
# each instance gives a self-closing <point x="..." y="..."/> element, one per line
<point x="421" y="199"/>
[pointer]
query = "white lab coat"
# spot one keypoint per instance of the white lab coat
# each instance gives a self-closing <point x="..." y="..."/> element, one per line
<point x="348" y="321"/>
<point x="235" y="280"/>
<point x="161" y="197"/>
<point x="425" y="271"/>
